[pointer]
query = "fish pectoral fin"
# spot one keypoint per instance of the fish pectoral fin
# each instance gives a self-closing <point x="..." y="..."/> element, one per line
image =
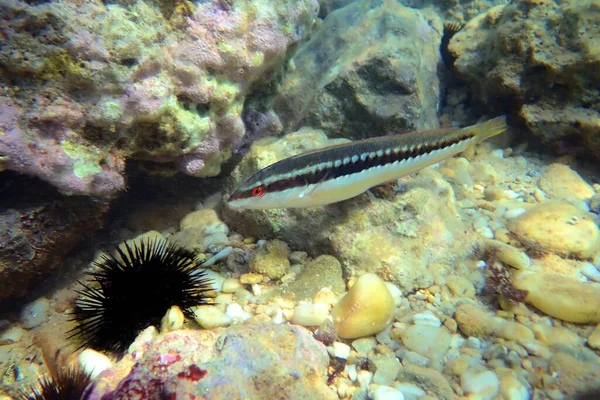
<point x="311" y="191"/>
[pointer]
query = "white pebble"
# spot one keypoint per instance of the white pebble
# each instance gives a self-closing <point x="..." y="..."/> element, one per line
<point x="217" y="257"/>
<point x="256" y="289"/>
<point x="511" y="194"/>
<point x="278" y="317"/>
<point x="351" y="371"/>
<point x="513" y="389"/>
<point x="386" y="393"/>
<point x="537" y="349"/>
<point x="395" y="292"/>
<point x="214" y="239"/>
<point x="480" y="383"/>
<point x="486" y="232"/>
<point x="473" y="342"/>
<point x="224" y="298"/>
<point x="13" y="334"/>
<point x="172" y="320"/>
<point x="427" y="318"/>
<point x="498" y="153"/>
<point x="341" y="350"/>
<point x="308" y="314"/>
<point x="409" y="390"/>
<point x="514" y="212"/>
<point x="231" y="285"/>
<point x="364" y="345"/>
<point x="94" y="362"/>
<point x="235" y="311"/>
<point x="261" y="243"/>
<point x="216" y="279"/>
<point x="364" y="378"/>
<point x="34" y="313"/>
<point x="591" y="272"/>
<point x="210" y="317"/>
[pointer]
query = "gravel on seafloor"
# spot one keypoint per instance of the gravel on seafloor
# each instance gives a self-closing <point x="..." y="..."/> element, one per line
<point x="444" y="341"/>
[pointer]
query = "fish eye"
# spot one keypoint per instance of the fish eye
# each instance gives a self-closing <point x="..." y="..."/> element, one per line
<point x="258" y="191"/>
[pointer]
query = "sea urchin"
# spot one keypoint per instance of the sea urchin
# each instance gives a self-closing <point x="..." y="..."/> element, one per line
<point x="133" y="289"/>
<point x="68" y="384"/>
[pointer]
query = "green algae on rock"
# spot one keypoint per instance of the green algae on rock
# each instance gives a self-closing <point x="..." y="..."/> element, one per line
<point x="271" y="260"/>
<point x="127" y="81"/>
<point x="323" y="272"/>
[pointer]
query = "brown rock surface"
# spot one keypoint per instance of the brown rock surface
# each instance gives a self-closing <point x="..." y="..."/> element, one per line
<point x="38" y="227"/>
<point x="538" y="60"/>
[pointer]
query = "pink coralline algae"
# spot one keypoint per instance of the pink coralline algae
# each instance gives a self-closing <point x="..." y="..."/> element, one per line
<point x="253" y="361"/>
<point x="44" y="157"/>
<point x="92" y="85"/>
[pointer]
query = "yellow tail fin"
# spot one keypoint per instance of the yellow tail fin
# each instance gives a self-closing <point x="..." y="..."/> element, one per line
<point x="487" y="129"/>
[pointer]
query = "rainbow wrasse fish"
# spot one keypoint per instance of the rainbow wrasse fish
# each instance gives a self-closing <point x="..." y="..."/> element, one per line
<point x="331" y="174"/>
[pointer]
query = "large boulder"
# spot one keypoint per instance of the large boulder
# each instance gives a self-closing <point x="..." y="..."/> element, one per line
<point x="369" y="70"/>
<point x="86" y="86"/>
<point x="539" y="60"/>
<point x="253" y="361"/>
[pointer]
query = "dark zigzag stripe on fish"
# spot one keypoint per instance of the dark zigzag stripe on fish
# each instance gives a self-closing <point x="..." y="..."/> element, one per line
<point x="378" y="150"/>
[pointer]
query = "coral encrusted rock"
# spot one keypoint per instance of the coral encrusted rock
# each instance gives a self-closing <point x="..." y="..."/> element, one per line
<point x="253" y="361"/>
<point x="86" y="86"/>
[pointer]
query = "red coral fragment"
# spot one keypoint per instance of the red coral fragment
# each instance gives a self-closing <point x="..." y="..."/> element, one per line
<point x="194" y="373"/>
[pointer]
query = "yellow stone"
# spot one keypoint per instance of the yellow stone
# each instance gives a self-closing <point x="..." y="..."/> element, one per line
<point x="366" y="309"/>
<point x="460" y="286"/>
<point x="560" y="228"/>
<point x="473" y="321"/>
<point x="250" y="279"/>
<point x="560" y="296"/>
<point x="561" y="182"/>
<point x="556" y="335"/>
<point x="509" y="255"/>
<point x="594" y="338"/>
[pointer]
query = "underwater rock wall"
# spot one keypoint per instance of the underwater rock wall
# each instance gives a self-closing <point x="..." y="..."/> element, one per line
<point x="38" y="228"/>
<point x="89" y="85"/>
<point x="369" y="70"/>
<point x="540" y="60"/>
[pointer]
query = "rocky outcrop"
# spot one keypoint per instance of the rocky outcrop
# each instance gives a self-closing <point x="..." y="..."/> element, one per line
<point x="369" y="70"/>
<point x="539" y="60"/>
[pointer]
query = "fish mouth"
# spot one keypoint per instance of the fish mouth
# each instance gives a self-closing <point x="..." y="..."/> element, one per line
<point x="232" y="200"/>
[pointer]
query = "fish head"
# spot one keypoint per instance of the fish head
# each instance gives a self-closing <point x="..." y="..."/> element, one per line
<point x="261" y="197"/>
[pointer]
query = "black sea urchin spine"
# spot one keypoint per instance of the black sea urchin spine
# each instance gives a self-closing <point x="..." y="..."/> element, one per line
<point x="133" y="289"/>
<point x="69" y="384"/>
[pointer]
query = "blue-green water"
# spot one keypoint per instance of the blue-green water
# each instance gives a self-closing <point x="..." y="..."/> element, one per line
<point x="475" y="277"/>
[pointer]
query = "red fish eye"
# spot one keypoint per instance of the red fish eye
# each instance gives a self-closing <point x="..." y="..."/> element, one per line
<point x="258" y="191"/>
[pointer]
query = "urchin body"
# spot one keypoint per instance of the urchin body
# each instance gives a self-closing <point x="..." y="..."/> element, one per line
<point x="133" y="289"/>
